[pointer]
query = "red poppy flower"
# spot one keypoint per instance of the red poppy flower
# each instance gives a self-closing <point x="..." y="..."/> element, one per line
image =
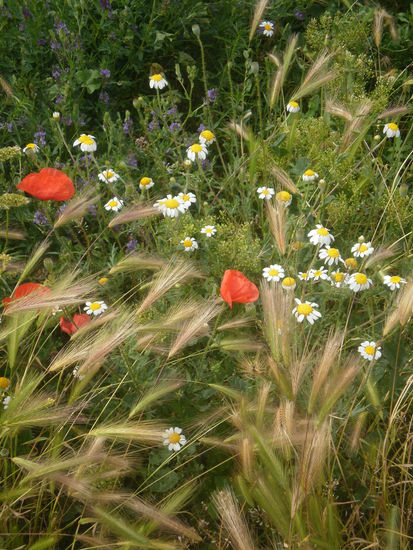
<point x="24" y="290"/>
<point x="79" y="320"/>
<point x="48" y="185"/>
<point x="235" y="287"/>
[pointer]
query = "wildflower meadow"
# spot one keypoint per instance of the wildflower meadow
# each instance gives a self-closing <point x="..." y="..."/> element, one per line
<point x="206" y="275"/>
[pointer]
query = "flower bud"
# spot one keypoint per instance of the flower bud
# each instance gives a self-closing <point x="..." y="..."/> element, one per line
<point x="56" y="115"/>
<point x="196" y="30"/>
<point x="255" y="68"/>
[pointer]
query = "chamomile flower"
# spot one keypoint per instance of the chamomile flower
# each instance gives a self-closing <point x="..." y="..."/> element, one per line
<point x="265" y="193"/>
<point x="284" y="197"/>
<point x="306" y="310"/>
<point x="320" y="235"/>
<point x="318" y="274"/>
<point x="170" y="206"/>
<point x="351" y="263"/>
<point x="293" y="107"/>
<point x="288" y="283"/>
<point x="338" y="278"/>
<point x="206" y="137"/>
<point x="76" y="374"/>
<point x="4" y="383"/>
<point x="391" y="130"/>
<point x="273" y="273"/>
<point x="146" y="183"/>
<point x="187" y="198"/>
<point x="95" y="308"/>
<point x="266" y="28"/>
<point x="174" y="438"/>
<point x="309" y="175"/>
<point x="362" y="249"/>
<point x="369" y="350"/>
<point x="108" y="176"/>
<point x="359" y="281"/>
<point x="31" y="148"/>
<point x="329" y="255"/>
<point x="197" y="151"/>
<point x="6" y="402"/>
<point x="189" y="244"/>
<point x="209" y="230"/>
<point x="114" y="204"/>
<point x="86" y="143"/>
<point x="157" y="81"/>
<point x="393" y="282"/>
<point x="304" y="275"/>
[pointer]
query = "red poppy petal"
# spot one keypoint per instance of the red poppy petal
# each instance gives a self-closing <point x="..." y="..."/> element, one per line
<point x="25" y="289"/>
<point x="235" y="287"/>
<point x="80" y="320"/>
<point x="48" y="184"/>
<point x="67" y="326"/>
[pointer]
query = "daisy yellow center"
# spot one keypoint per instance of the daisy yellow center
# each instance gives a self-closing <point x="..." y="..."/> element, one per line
<point x="109" y="174"/>
<point x="351" y="263"/>
<point x="268" y="27"/>
<point x="333" y="253"/>
<point x="113" y="203"/>
<point x="187" y="243"/>
<point x="283" y="196"/>
<point x="294" y="104"/>
<point x="309" y="173"/>
<point x="94" y="306"/>
<point x="196" y="148"/>
<point x="157" y="77"/>
<point x="4" y="383"/>
<point x="145" y="181"/>
<point x="31" y="146"/>
<point x="395" y="279"/>
<point x="322" y="231"/>
<point x="304" y="275"/>
<point x="207" y="134"/>
<point x="208" y="230"/>
<point x="304" y="309"/>
<point x="174" y="437"/>
<point x="363" y="248"/>
<point x="86" y="140"/>
<point x="360" y="278"/>
<point x="185" y="197"/>
<point x="392" y="126"/>
<point x="369" y="350"/>
<point x="103" y="280"/>
<point x="338" y="277"/>
<point x="265" y="192"/>
<point x="171" y="203"/>
<point x="273" y="272"/>
<point x="317" y="273"/>
<point x="289" y="281"/>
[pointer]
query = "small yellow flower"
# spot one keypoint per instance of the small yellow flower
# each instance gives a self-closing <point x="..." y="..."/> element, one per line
<point x="288" y="283"/>
<point x="103" y="280"/>
<point x="4" y="383"/>
<point x="351" y="263"/>
<point x="284" y="197"/>
<point x="31" y="148"/>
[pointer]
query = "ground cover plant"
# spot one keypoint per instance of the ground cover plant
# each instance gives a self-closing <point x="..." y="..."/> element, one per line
<point x="206" y="231"/>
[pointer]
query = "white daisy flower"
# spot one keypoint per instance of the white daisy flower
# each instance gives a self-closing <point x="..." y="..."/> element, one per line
<point x="209" y="230"/>
<point x="265" y="193"/>
<point x="197" y="151"/>
<point x="174" y="438"/>
<point x="329" y="255"/>
<point x="86" y="142"/>
<point x="187" y="198"/>
<point x="304" y="275"/>
<point x="362" y="249"/>
<point x="284" y="197"/>
<point x="206" y="137"/>
<point x="170" y="206"/>
<point x="273" y="273"/>
<point x="31" y="148"/>
<point x="114" y="204"/>
<point x="320" y="235"/>
<point x="288" y="283"/>
<point x="267" y="28"/>
<point x="108" y="176"/>
<point x="76" y="374"/>
<point x="306" y="310"/>
<point x="393" y="282"/>
<point x="6" y="402"/>
<point x="309" y="175"/>
<point x="95" y="308"/>
<point x="318" y="274"/>
<point x="56" y="115"/>
<point x="391" y="130"/>
<point x="157" y="81"/>
<point x="293" y="107"/>
<point x="359" y="281"/>
<point x="146" y="183"/>
<point x="369" y="350"/>
<point x="189" y="244"/>
<point x="338" y="278"/>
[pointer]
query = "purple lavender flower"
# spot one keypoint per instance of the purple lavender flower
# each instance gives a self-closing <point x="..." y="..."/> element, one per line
<point x="92" y="210"/>
<point x="59" y="165"/>
<point x="60" y="210"/>
<point x="175" y="127"/>
<point x="68" y="121"/>
<point x="131" y="160"/>
<point x="128" y="127"/>
<point x="206" y="165"/>
<point x="27" y="13"/>
<point x="172" y="111"/>
<point x="212" y="94"/>
<point x="40" y="137"/>
<point x="201" y="128"/>
<point x="21" y="27"/>
<point x="39" y="218"/>
<point x="299" y="15"/>
<point x="105" y="4"/>
<point x="59" y="99"/>
<point x="41" y="42"/>
<point x="82" y="121"/>
<point x="105" y="73"/>
<point x="55" y="45"/>
<point x="60" y="26"/>
<point x="56" y="72"/>
<point x="132" y="244"/>
<point x="104" y="97"/>
<point x="153" y="125"/>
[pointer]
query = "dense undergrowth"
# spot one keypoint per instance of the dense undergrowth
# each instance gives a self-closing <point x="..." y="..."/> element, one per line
<point x="273" y="139"/>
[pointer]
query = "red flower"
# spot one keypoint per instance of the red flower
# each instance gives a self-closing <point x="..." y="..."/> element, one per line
<point x="78" y="322"/>
<point x="235" y="287"/>
<point x="48" y="185"/>
<point x="24" y="290"/>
